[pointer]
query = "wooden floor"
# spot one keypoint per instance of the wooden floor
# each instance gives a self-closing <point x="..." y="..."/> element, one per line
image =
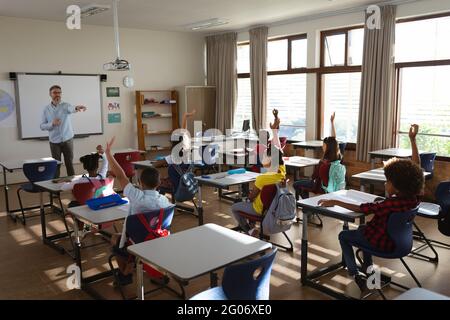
<point x="31" y="270"/>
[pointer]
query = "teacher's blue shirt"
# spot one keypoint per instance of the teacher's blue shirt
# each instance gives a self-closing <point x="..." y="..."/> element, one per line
<point x="64" y="131"/>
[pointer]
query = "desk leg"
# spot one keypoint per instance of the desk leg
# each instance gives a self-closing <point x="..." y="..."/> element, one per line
<point x="296" y="170"/>
<point x="213" y="278"/>
<point x="140" y="280"/>
<point x="362" y="187"/>
<point x="5" y="185"/>
<point x="42" y="212"/>
<point x="200" y="205"/>
<point x="372" y="162"/>
<point x="304" y="253"/>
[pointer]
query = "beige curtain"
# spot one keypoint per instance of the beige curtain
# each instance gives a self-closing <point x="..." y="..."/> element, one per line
<point x="221" y="57"/>
<point x="376" y="127"/>
<point x="258" y="75"/>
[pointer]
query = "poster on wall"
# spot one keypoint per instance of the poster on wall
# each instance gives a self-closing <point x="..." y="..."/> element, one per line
<point x="114" y="118"/>
<point x="112" y="91"/>
<point x="114" y="106"/>
<point x="7" y="105"/>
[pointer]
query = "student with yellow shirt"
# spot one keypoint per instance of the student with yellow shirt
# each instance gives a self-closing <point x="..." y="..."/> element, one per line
<point x="254" y="205"/>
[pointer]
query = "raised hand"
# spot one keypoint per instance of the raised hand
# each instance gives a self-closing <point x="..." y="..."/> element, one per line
<point x="190" y="114"/>
<point x="413" y="130"/>
<point x="109" y="144"/>
<point x="332" y="116"/>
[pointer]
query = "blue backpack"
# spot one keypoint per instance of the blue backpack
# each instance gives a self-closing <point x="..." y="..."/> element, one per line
<point x="336" y="180"/>
<point x="187" y="185"/>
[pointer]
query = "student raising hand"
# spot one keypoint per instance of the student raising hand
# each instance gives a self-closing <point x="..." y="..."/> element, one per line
<point x="413" y="130"/>
<point x="276" y="123"/>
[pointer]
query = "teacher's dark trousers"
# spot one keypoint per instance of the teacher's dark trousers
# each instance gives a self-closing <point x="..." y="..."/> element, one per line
<point x="66" y="148"/>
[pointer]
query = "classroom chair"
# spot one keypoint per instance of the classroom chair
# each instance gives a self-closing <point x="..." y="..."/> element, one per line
<point x="144" y="227"/>
<point x="245" y="281"/>
<point x="125" y="160"/>
<point x="86" y="190"/>
<point x="439" y="212"/>
<point x="267" y="194"/>
<point x="35" y="172"/>
<point x="342" y="146"/>
<point x="400" y="230"/>
<point x="427" y="163"/>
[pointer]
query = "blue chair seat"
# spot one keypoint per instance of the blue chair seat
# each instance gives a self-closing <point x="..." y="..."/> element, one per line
<point x="215" y="293"/>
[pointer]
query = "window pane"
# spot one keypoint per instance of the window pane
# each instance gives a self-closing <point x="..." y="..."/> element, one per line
<point x="440" y="145"/>
<point x="335" y="50"/>
<point x="287" y="93"/>
<point x="424" y="99"/>
<point x="422" y="40"/>
<point x="244" y="104"/>
<point x="341" y="95"/>
<point x="299" y="53"/>
<point x="355" y="47"/>
<point x="277" y="55"/>
<point x="243" y="58"/>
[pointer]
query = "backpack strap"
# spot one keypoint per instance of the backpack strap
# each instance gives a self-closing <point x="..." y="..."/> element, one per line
<point x="147" y="225"/>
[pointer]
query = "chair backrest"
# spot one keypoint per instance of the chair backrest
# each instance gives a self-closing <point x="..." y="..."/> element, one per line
<point x="138" y="231"/>
<point x="249" y="280"/>
<point x="40" y="171"/>
<point x="86" y="190"/>
<point x="125" y="160"/>
<point x="342" y="146"/>
<point x="283" y="142"/>
<point x="400" y="230"/>
<point x="443" y="196"/>
<point x="427" y="161"/>
<point x="267" y="195"/>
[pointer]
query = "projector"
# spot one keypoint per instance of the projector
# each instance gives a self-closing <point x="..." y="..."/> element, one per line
<point x="117" y="65"/>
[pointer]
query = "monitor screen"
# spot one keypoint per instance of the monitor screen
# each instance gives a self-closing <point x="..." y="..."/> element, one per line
<point x="246" y="125"/>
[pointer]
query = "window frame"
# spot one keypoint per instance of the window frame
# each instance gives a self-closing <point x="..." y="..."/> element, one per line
<point x="290" y="70"/>
<point x="399" y="66"/>
<point x="322" y="70"/>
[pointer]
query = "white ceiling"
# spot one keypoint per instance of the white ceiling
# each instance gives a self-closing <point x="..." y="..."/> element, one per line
<point x="174" y="15"/>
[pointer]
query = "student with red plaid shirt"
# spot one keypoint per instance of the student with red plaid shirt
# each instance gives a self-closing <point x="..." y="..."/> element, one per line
<point x="404" y="184"/>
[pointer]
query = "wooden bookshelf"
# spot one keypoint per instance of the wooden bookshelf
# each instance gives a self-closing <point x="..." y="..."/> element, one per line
<point x="156" y="128"/>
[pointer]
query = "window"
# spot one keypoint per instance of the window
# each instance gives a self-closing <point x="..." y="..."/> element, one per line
<point x="424" y="99"/>
<point x="286" y="85"/>
<point x="287" y="93"/>
<point x="341" y="94"/>
<point x="422" y="40"/>
<point x="423" y="72"/>
<point x="277" y="56"/>
<point x="340" y="82"/>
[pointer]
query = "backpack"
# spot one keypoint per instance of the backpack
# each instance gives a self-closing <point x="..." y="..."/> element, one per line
<point x="281" y="213"/>
<point x="336" y="180"/>
<point x="187" y="186"/>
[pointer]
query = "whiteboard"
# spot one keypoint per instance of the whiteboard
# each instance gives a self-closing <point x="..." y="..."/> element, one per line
<point x="32" y="95"/>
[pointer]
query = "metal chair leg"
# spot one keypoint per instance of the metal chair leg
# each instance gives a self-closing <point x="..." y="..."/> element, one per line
<point x="21" y="207"/>
<point x="66" y="226"/>
<point x="411" y="273"/>
<point x="116" y="278"/>
<point x="428" y="243"/>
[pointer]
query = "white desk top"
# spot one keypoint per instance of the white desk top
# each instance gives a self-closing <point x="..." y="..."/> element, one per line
<point x="100" y="216"/>
<point x="301" y="162"/>
<point x="18" y="164"/>
<point x="350" y="196"/>
<point x="51" y="186"/>
<point x="222" y="179"/>
<point x="377" y="175"/>
<point x="392" y="152"/>
<point x="143" y="164"/>
<point x="197" y="251"/>
<point x="421" y="294"/>
<point x="309" y="144"/>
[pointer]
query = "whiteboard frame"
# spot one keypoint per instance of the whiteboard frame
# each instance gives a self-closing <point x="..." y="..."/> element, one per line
<point x="19" y="118"/>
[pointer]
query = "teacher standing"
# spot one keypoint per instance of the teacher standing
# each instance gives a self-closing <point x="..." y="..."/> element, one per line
<point x="57" y="120"/>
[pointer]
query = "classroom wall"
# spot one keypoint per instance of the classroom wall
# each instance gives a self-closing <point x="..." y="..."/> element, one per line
<point x="159" y="60"/>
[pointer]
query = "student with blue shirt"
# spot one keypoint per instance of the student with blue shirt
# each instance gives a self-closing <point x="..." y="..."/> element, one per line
<point x="143" y="199"/>
<point x="57" y="120"/>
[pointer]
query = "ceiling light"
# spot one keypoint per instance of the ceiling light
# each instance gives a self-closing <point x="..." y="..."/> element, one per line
<point x="93" y="9"/>
<point x="207" y="24"/>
